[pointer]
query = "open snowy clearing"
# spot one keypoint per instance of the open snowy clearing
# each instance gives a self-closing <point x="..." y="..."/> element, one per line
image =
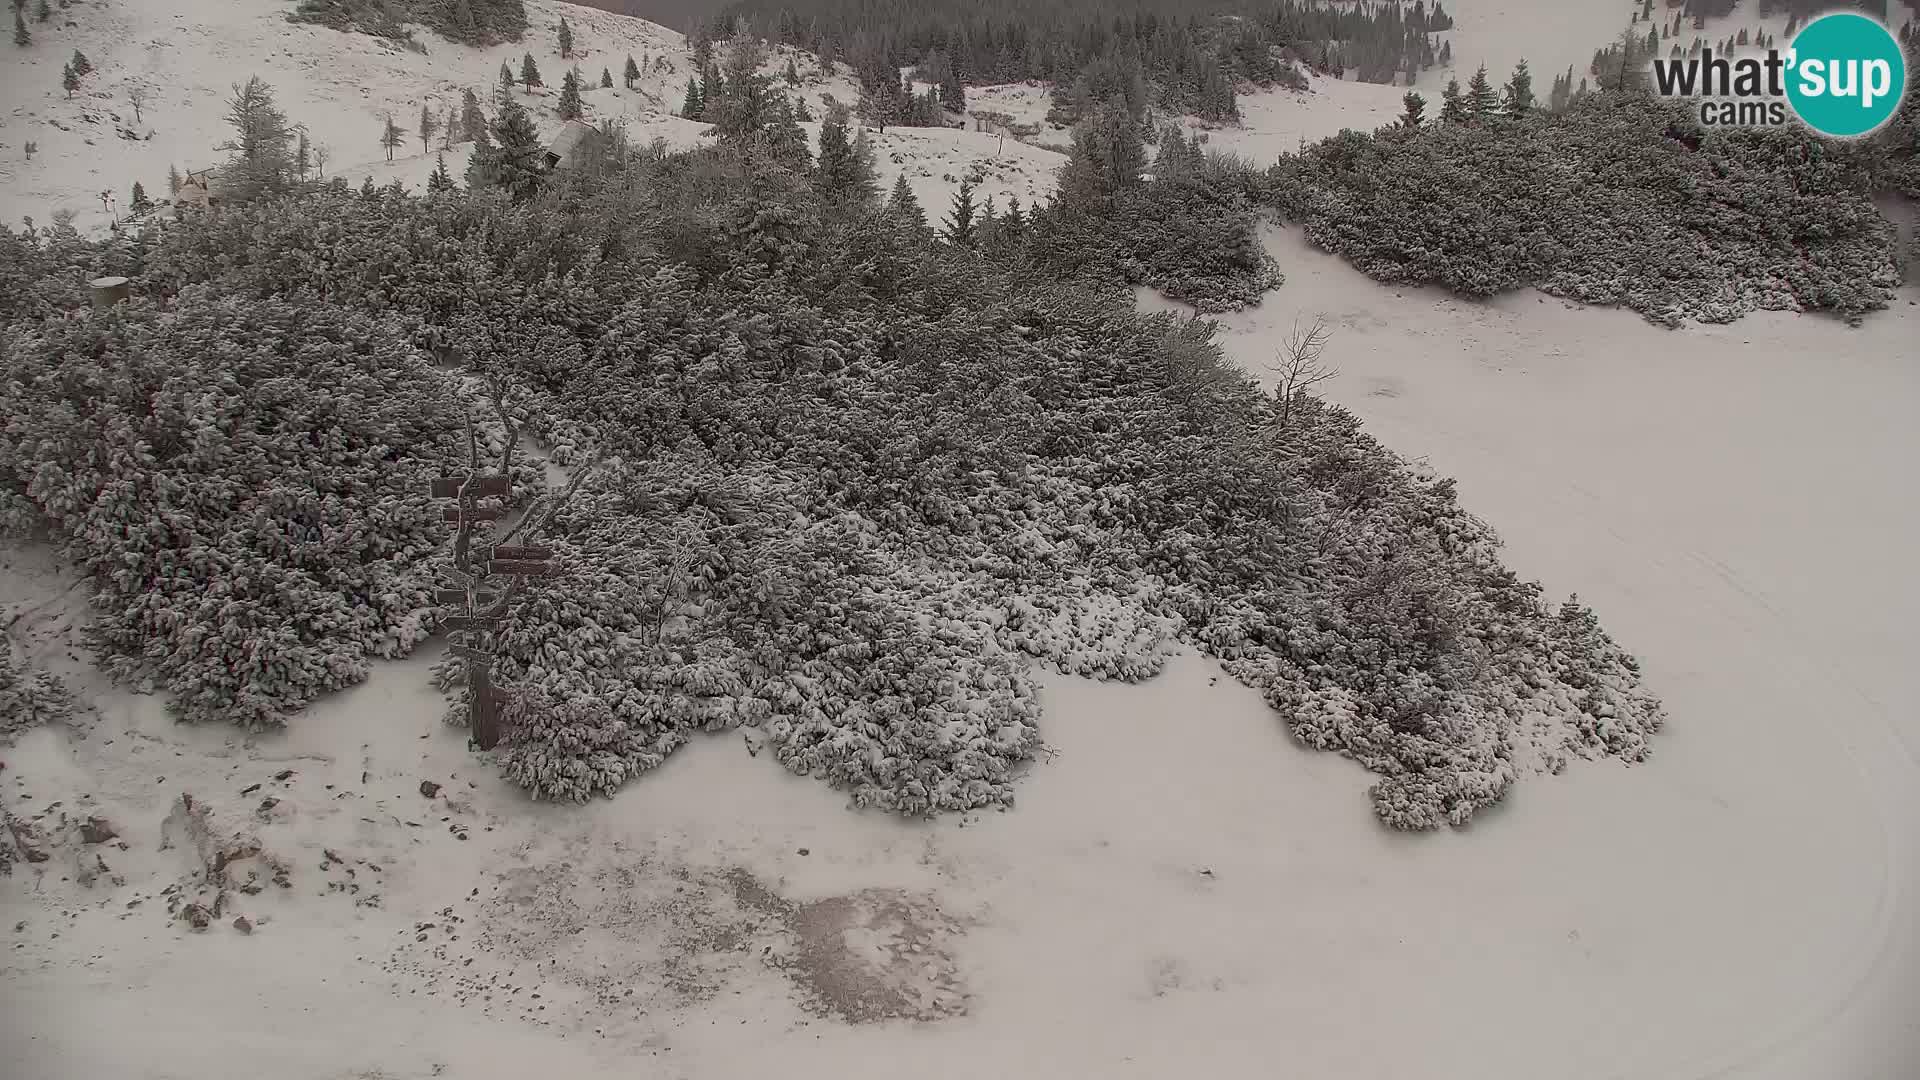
<point x="1548" y="36"/>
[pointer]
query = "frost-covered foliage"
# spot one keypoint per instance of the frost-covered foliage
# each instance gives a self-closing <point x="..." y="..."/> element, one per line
<point x="29" y="696"/>
<point x="469" y="22"/>
<point x="857" y="480"/>
<point x="1192" y="234"/>
<point x="45" y="270"/>
<point x="1621" y="199"/>
<point x="242" y="481"/>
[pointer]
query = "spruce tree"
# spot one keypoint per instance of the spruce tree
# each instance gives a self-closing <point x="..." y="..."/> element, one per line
<point x="473" y="122"/>
<point x="792" y="73"/>
<point x="81" y="65"/>
<point x="606" y="79"/>
<point x="746" y="106"/>
<point x="864" y="175"/>
<point x="42" y="11"/>
<point x="787" y="140"/>
<point x="1519" y="97"/>
<point x="506" y="81"/>
<point x="302" y="155"/>
<point x="843" y="174"/>
<point x="140" y="203"/>
<point x="440" y="180"/>
<point x="1014" y="224"/>
<point x="960" y="221"/>
<point x="429" y="124"/>
<point x="20" y="35"/>
<point x="632" y="72"/>
<point x="367" y="190"/>
<point x="530" y="72"/>
<point x="566" y="39"/>
<point x="1453" y="107"/>
<point x="570" y="107"/>
<point x="69" y="79"/>
<point x="953" y="92"/>
<point x="391" y="136"/>
<point x="260" y="161"/>
<point x="173" y="180"/>
<point x="711" y="94"/>
<point x="1108" y="155"/>
<point x="903" y="206"/>
<point x="1482" y="101"/>
<point x="1416" y="108"/>
<point x="692" y="107"/>
<point x="515" y="161"/>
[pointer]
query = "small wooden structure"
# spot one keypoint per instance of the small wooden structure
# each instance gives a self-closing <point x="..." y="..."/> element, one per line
<point x="568" y="145"/>
<point x="196" y="189"/>
<point x="108" y="291"/>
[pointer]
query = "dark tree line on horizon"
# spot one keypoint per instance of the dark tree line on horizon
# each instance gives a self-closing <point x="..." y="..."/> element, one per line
<point x="1001" y="41"/>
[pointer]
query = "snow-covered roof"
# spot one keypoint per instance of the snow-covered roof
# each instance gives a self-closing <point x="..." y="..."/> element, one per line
<point x="572" y="135"/>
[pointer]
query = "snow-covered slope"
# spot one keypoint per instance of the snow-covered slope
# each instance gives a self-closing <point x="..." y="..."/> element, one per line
<point x="185" y="56"/>
<point x="1549" y="36"/>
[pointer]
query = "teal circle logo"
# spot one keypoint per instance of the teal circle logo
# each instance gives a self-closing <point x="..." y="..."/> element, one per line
<point x="1846" y="74"/>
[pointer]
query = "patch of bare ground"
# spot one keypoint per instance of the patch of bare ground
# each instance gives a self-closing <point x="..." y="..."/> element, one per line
<point x="605" y="935"/>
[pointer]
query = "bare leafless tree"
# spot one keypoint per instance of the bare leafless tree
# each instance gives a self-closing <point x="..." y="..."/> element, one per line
<point x="1299" y="365"/>
<point x="320" y="156"/>
<point x="137" y="97"/>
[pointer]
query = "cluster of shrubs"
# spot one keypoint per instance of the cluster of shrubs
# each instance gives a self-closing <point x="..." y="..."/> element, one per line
<point x="1192" y="233"/>
<point x="1620" y="199"/>
<point x="851" y="482"/>
<point x="242" y="480"/>
<point x="469" y="22"/>
<point x="30" y="696"/>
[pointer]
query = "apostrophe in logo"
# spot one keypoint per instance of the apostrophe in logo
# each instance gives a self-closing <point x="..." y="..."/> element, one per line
<point x="1845" y="74"/>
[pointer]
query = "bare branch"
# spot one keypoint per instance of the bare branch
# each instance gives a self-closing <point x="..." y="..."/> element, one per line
<point x="530" y="525"/>
<point x="1299" y="365"/>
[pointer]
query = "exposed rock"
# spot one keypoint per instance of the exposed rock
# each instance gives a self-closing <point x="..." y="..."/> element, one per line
<point x="97" y="830"/>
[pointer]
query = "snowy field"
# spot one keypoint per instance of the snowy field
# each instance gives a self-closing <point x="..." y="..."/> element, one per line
<point x="1181" y="890"/>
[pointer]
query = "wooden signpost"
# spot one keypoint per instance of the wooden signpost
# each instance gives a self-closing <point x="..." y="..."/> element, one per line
<point x="474" y="623"/>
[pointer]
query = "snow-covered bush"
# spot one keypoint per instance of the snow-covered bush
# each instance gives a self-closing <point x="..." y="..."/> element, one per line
<point x="29" y="696"/>
<point x="1619" y="200"/>
<point x="856" y="484"/>
<point x="243" y="482"/>
<point x="1191" y="234"/>
<point x="472" y="22"/>
<point x="46" y="270"/>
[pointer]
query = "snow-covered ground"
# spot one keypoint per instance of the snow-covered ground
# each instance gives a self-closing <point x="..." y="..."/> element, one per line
<point x="1549" y="36"/>
<point x="1181" y="891"/>
<point x="1728" y="500"/>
